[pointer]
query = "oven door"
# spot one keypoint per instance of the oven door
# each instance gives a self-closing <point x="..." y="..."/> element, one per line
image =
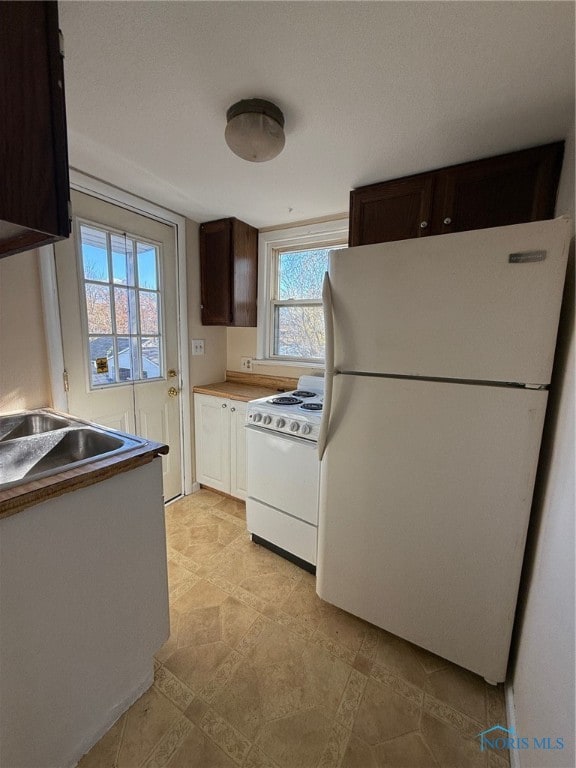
<point x="283" y="472"/>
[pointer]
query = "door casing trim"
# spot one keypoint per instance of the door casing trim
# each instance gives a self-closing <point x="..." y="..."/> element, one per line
<point x="89" y="185"/>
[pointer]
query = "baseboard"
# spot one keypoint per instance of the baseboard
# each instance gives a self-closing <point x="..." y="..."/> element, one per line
<point x="112" y="716"/>
<point x="511" y="720"/>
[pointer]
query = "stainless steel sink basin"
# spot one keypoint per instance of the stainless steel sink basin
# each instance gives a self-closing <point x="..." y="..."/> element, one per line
<point x="24" y="424"/>
<point x="37" y="444"/>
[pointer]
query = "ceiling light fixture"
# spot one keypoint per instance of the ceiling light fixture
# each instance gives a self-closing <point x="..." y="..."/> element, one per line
<point x="255" y="130"/>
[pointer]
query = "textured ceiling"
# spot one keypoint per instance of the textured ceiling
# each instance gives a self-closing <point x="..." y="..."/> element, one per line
<point x="370" y="91"/>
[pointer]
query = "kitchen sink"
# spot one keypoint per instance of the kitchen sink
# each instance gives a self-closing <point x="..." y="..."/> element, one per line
<point x="24" y="424"/>
<point x="37" y="444"/>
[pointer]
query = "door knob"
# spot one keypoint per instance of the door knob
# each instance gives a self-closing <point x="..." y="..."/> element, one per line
<point x="173" y="392"/>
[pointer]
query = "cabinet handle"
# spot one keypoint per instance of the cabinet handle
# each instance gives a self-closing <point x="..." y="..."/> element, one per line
<point x="423" y="224"/>
<point x="232" y="409"/>
<point x="224" y="405"/>
<point x="447" y="220"/>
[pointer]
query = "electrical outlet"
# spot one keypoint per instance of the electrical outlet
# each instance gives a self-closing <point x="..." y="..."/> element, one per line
<point x="197" y="346"/>
<point x="246" y="363"/>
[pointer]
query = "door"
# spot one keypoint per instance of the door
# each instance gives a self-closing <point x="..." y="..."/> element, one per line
<point x="425" y="499"/>
<point x="117" y="286"/>
<point x="470" y="305"/>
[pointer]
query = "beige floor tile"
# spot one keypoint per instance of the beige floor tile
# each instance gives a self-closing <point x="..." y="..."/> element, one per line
<point x="274" y="588"/>
<point x="324" y="678"/>
<point x="384" y="714"/>
<point x="205" y="497"/>
<point x="273" y="645"/>
<point x="495" y="705"/>
<point x="305" y="605"/>
<point x="200" y="595"/>
<point x="147" y="721"/>
<point x="196" y="665"/>
<point x="408" y="751"/>
<point x="344" y="629"/>
<point x="229" y="621"/>
<point x="296" y="741"/>
<point x="449" y="747"/>
<point x="460" y="689"/>
<point x="358" y="755"/>
<point x="197" y="750"/>
<point x="241" y="702"/>
<point x="232" y="507"/>
<point x="397" y="655"/>
<point x="103" y="754"/>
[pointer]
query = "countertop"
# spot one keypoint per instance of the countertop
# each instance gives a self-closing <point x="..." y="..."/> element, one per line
<point x="19" y="497"/>
<point x="246" y="388"/>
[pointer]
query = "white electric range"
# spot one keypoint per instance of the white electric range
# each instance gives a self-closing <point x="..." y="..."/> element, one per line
<point x="283" y="470"/>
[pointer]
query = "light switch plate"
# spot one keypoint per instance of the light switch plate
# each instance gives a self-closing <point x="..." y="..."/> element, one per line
<point x="197" y="346"/>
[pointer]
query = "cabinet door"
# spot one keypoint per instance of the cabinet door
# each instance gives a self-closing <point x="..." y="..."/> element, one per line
<point x="498" y="191"/>
<point x="393" y="210"/>
<point x="34" y="191"/>
<point x="212" y="428"/>
<point x="216" y="272"/>
<point x="237" y="449"/>
<point x="245" y="268"/>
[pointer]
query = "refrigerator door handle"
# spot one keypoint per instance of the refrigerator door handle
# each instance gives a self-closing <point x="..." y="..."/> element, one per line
<point x="329" y="364"/>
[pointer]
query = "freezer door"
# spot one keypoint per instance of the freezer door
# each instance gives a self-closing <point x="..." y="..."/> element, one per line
<point x="480" y="305"/>
<point x="424" y="505"/>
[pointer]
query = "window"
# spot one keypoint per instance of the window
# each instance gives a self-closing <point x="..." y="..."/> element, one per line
<point x="292" y="267"/>
<point x="122" y="303"/>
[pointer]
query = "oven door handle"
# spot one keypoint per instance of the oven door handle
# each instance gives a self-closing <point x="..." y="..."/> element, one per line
<point x="329" y="364"/>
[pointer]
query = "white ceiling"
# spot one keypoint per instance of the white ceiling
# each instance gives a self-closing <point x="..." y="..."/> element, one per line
<point x="370" y="91"/>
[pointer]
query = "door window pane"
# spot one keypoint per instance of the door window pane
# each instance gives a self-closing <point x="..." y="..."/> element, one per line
<point x="94" y="254"/>
<point x="147" y="273"/>
<point x="150" y="358"/>
<point x="148" y="312"/>
<point x="299" y="331"/>
<point x="101" y="359"/>
<point x="127" y="360"/>
<point x="98" y="308"/>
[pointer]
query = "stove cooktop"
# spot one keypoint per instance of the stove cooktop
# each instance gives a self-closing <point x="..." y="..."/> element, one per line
<point x="297" y="413"/>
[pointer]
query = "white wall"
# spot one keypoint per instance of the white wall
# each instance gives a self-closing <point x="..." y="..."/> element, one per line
<point x="24" y="380"/>
<point x="544" y="670"/>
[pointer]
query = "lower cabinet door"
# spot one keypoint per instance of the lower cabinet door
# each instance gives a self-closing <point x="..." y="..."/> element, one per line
<point x="212" y="428"/>
<point x="237" y="449"/>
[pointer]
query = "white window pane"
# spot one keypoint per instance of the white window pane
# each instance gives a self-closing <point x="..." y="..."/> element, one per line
<point x="299" y="332"/>
<point x="98" y="308"/>
<point x="94" y="254"/>
<point x="101" y="354"/>
<point x="122" y="269"/>
<point x="127" y="360"/>
<point x="147" y="274"/>
<point x="300" y="273"/>
<point x="125" y="308"/>
<point x="150" y="360"/>
<point x="148" y="312"/>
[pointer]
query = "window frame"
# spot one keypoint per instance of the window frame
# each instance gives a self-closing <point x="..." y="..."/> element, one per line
<point x="273" y="242"/>
<point x="90" y="386"/>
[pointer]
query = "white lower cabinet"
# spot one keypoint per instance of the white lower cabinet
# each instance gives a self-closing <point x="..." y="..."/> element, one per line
<point x="220" y="444"/>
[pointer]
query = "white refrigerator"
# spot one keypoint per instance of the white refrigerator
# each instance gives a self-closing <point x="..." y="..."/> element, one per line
<point x="439" y="354"/>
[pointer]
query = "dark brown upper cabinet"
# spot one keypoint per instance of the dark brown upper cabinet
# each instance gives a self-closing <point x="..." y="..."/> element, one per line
<point x="34" y="187"/>
<point x="494" y="192"/>
<point x="228" y="272"/>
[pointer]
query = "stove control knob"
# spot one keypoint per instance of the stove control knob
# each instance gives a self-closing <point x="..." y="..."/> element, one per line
<point x="280" y="423"/>
<point x="306" y="429"/>
<point x="294" y="427"/>
<point x="257" y="417"/>
<point x="266" y="420"/>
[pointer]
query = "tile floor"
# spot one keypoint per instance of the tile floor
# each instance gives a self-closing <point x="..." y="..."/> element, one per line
<point x="260" y="673"/>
